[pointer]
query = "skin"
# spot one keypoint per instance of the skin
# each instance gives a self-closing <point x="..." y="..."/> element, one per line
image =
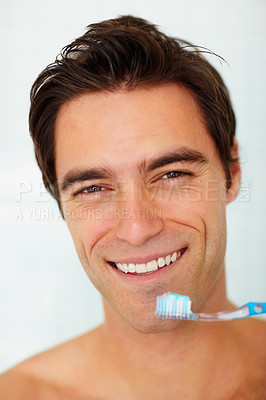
<point x="134" y="353"/>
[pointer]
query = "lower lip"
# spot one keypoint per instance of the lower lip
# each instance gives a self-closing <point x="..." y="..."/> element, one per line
<point x="147" y="278"/>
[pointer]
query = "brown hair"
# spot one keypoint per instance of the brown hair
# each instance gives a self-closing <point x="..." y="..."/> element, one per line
<point x="126" y="52"/>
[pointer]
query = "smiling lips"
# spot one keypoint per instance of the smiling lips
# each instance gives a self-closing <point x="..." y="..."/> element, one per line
<point x="151" y="266"/>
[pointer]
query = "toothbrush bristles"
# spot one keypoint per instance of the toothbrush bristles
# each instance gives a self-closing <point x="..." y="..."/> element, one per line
<point x="171" y="305"/>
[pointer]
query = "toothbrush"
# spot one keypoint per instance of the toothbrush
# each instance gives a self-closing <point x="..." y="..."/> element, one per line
<point x="176" y="306"/>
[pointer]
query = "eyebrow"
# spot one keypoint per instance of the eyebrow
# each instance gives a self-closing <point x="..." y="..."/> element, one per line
<point x="78" y="175"/>
<point x="183" y="154"/>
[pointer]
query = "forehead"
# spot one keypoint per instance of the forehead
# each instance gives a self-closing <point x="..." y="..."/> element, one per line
<point x="126" y="127"/>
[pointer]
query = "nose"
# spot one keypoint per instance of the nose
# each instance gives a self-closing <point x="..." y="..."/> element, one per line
<point x="138" y="222"/>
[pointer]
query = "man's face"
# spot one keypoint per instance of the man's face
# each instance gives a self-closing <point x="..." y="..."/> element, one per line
<point x="140" y="179"/>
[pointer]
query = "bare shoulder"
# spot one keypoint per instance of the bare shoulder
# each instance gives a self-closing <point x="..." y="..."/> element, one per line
<point x="253" y="344"/>
<point x="53" y="374"/>
<point x="15" y="385"/>
<point x="255" y="334"/>
<point x="253" y="386"/>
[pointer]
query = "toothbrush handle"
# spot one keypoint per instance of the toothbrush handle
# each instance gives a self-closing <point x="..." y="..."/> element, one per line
<point x="256" y="308"/>
<point x="247" y="310"/>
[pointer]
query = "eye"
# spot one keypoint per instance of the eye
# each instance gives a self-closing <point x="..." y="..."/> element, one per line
<point x="174" y="174"/>
<point x="90" y="189"/>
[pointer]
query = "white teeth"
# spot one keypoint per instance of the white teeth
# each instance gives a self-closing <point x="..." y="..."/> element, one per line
<point x="119" y="266"/>
<point x="150" y="266"/>
<point x="161" y="262"/>
<point x="131" y="268"/>
<point x="167" y="260"/>
<point x="174" y="257"/>
<point x="141" y="268"/>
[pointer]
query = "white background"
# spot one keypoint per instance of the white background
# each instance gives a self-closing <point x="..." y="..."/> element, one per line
<point x="45" y="297"/>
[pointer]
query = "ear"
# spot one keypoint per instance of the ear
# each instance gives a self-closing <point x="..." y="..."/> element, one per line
<point x="235" y="171"/>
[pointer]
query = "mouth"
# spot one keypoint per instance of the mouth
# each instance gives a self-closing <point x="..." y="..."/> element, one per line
<point x="151" y="266"/>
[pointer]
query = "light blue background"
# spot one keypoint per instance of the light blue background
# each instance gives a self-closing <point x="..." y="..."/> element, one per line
<point x="45" y="297"/>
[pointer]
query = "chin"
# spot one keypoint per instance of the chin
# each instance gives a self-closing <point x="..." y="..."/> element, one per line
<point x="150" y="324"/>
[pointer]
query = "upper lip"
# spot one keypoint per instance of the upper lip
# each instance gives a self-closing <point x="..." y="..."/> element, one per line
<point x="141" y="259"/>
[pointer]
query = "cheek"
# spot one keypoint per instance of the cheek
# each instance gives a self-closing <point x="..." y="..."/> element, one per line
<point x="186" y="209"/>
<point x="86" y="233"/>
<point x="205" y="219"/>
<point x="216" y="232"/>
<point x="195" y="205"/>
<point x="87" y="227"/>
